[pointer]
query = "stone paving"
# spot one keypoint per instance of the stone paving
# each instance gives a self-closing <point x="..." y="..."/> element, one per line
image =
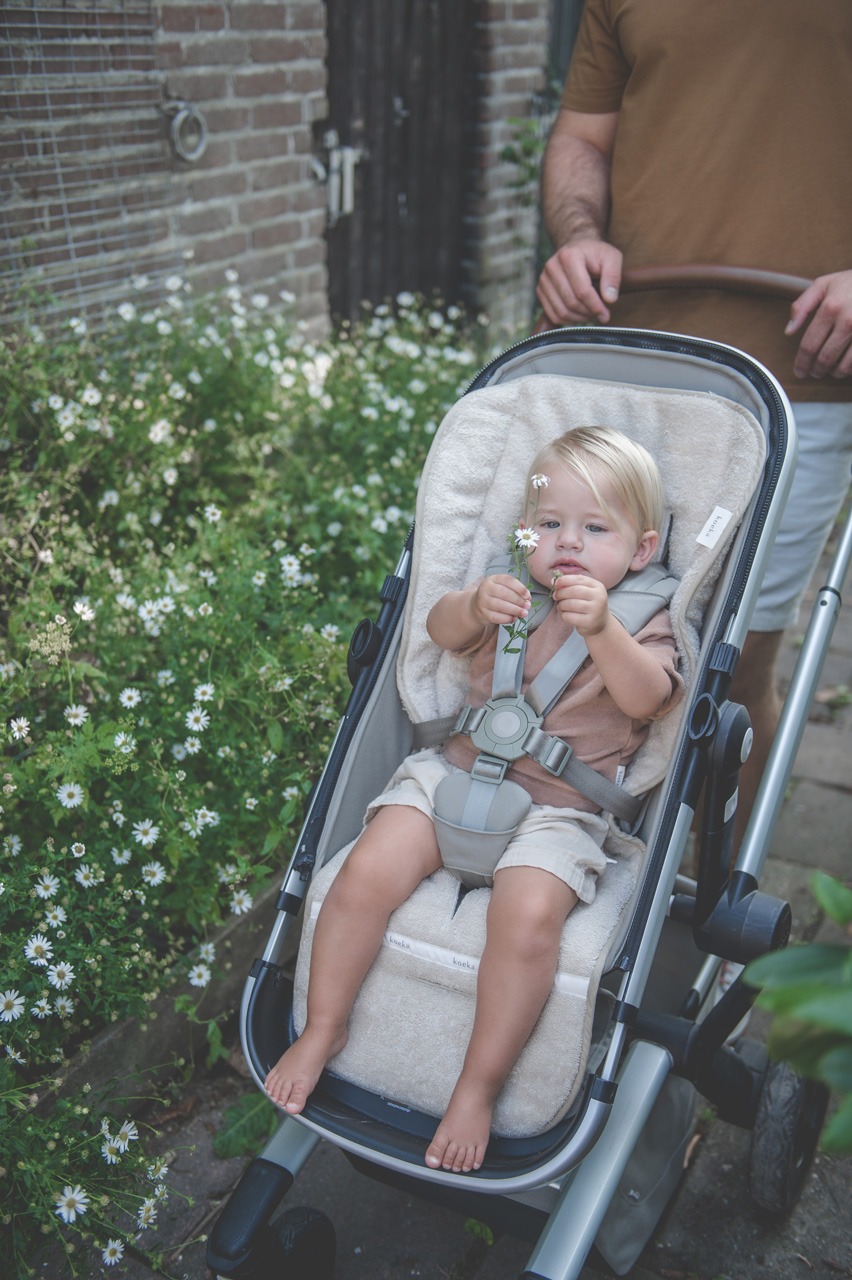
<point x="710" y="1231"/>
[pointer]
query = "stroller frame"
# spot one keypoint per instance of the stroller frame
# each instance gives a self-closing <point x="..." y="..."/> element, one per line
<point x="557" y="1189"/>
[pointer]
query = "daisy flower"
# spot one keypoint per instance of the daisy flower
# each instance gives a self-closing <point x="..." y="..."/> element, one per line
<point x="539" y="481"/>
<point x="15" y="1056"/>
<point x="126" y="1134"/>
<point x="199" y="975"/>
<point x="85" y="876"/>
<point x="78" y="849"/>
<point x="251" y="802"/>
<point x="178" y="751"/>
<point x="85" y="610"/>
<point x="154" y="873"/>
<point x="12" y="845"/>
<point x="70" y="795"/>
<point x="165" y="677"/>
<point x="120" y="856"/>
<point x="71" y="1202"/>
<point x="46" y="885"/>
<point x="130" y="697"/>
<point x="114" y="1250"/>
<point x="527" y="539"/>
<point x="41" y="1009"/>
<point x="290" y="793"/>
<point x="63" y="1006"/>
<point x="60" y="975"/>
<point x="241" y="902"/>
<point x="258" y="578"/>
<point x="38" y="949"/>
<point x="124" y="743"/>
<point x="147" y="1213"/>
<point x="76" y="714"/>
<point x="55" y="916"/>
<point x="110" y="1151"/>
<point x="192" y="746"/>
<point x="212" y="514"/>
<point x="197" y="719"/>
<point x="207" y="951"/>
<point x="20" y="727"/>
<point x="204" y="693"/>
<point x="330" y="631"/>
<point x="157" y="1170"/>
<point x="206" y="817"/>
<point x="205" y="609"/>
<point x="11" y="1006"/>
<point x="145" y="832"/>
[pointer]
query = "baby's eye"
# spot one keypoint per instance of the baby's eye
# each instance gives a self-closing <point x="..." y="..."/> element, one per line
<point x="596" y="528"/>
<point x="550" y="524"/>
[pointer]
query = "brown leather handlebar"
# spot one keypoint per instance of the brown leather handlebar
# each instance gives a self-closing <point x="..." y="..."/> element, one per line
<point x="774" y="284"/>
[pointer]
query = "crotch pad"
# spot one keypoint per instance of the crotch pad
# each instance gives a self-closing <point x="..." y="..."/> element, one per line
<point x="413" y="1016"/>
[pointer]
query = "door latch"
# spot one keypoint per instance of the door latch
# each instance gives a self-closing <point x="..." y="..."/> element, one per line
<point x="340" y="182"/>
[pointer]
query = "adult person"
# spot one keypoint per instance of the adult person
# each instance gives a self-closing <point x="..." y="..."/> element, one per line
<point x="693" y="132"/>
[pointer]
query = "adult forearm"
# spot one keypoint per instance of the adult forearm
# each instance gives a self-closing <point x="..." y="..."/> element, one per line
<point x="574" y="190"/>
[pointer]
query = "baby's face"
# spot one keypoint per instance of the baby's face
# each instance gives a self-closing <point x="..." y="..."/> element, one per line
<point x="577" y="535"/>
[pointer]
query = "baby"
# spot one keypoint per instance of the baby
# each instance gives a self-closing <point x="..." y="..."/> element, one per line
<point x="594" y="514"/>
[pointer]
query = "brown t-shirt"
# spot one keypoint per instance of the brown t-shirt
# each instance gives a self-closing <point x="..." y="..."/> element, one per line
<point x="585" y="716"/>
<point x="734" y="146"/>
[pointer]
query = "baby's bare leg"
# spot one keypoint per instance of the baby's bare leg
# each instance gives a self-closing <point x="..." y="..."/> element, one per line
<point x="525" y="918"/>
<point x="393" y="854"/>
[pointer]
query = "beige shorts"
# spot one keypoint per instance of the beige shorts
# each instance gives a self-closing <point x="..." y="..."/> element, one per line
<point x="565" y="842"/>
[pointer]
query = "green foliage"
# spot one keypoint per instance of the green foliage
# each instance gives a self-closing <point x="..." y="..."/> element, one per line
<point x="809" y="990"/>
<point x="248" y="1125"/>
<point x="525" y="151"/>
<point x="196" y="505"/>
<point x="479" y="1231"/>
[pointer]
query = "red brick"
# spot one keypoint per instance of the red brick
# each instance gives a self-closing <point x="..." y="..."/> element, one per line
<point x="255" y="84"/>
<point x="224" y="249"/>
<point x="201" y="221"/>
<point x="216" y="52"/>
<point x="259" y="17"/>
<point x="279" y="173"/>
<point x="198" y="17"/>
<point x="227" y="118"/>
<point x="232" y="183"/>
<point x="263" y="208"/>
<point x="280" y="114"/>
<point x="197" y="86"/>
<point x="306" y="17"/>
<point x="260" y="146"/>
<point x="278" y="48"/>
<point x="278" y="233"/>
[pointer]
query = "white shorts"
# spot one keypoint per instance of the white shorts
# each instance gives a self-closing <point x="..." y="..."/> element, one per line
<point x="819" y="486"/>
<point x="565" y="842"/>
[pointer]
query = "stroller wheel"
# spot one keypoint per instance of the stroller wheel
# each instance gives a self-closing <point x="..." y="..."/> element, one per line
<point x="790" y="1115"/>
<point x="309" y="1245"/>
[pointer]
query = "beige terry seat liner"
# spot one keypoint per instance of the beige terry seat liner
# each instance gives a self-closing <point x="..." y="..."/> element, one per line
<point x="412" y="1019"/>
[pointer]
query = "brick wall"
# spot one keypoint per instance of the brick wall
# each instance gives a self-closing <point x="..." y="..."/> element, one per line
<point x="256" y="72"/>
<point x="502" y="225"/>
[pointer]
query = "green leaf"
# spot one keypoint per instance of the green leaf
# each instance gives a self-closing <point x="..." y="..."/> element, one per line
<point x="834" y="898"/>
<point x="274" y="836"/>
<point x="803" y="1046"/>
<point x="836" y="1069"/>
<point x="813" y="963"/>
<point x="247" y="1126"/>
<point x="275" y="734"/>
<point x="831" y="1009"/>
<point x="837" y="1134"/>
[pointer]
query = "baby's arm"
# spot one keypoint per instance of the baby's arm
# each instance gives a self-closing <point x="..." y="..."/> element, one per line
<point x="459" y="618"/>
<point x="634" y="678"/>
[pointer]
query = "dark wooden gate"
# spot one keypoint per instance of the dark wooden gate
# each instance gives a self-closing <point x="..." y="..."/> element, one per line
<point x="400" y="93"/>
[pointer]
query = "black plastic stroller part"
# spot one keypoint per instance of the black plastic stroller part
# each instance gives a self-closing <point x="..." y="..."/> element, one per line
<point x="242" y="1244"/>
<point x="790" y="1115"/>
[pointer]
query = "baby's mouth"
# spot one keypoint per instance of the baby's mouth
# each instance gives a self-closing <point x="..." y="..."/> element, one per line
<point x="566" y="566"/>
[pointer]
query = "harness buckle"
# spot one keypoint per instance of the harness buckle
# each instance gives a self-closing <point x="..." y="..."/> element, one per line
<point x="556" y="757"/>
<point x="489" y="769"/>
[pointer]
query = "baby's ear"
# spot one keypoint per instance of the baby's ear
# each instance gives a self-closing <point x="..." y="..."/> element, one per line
<point x="644" y="552"/>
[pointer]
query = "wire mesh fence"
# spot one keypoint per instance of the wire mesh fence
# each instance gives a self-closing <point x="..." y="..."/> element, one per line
<point x="85" y="182"/>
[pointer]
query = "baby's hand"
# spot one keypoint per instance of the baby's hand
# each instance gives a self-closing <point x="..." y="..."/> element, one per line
<point x="501" y="599"/>
<point x="582" y="602"/>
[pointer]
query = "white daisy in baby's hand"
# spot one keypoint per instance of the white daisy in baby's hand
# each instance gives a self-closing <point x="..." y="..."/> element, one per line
<point x="527" y="539"/>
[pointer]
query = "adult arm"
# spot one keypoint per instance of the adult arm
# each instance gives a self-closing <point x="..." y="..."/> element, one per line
<point x="575" y="206"/>
<point x="826" y="345"/>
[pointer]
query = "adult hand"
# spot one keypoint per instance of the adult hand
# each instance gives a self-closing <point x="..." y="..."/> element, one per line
<point x="565" y="289"/>
<point x="826" y="345"/>
<point x="582" y="602"/>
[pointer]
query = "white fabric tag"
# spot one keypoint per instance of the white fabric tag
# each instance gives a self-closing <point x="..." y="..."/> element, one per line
<point x="715" y="527"/>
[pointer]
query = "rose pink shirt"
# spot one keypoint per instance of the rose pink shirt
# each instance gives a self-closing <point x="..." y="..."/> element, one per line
<point x="585" y="716"/>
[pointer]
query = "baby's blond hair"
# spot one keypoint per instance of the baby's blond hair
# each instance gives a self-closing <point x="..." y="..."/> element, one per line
<point x="602" y="453"/>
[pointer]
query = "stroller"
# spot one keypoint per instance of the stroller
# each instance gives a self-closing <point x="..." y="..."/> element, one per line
<point x="603" y="1097"/>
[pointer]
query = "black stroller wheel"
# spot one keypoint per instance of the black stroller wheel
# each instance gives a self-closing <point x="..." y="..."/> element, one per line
<point x="790" y="1115"/>
<point x="309" y="1244"/>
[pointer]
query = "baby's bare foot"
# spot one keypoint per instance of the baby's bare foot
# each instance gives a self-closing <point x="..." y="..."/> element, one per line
<point x="295" y="1074"/>
<point x="462" y="1136"/>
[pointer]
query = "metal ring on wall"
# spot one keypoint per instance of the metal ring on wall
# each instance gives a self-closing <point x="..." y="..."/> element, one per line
<point x="189" y="123"/>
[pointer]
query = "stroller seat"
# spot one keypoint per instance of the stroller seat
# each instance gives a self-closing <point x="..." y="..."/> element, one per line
<point x="411" y="1022"/>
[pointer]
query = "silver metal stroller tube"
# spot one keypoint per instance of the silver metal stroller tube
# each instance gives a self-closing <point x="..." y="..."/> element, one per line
<point x="570" y="1231"/>
<point x="794" y="715"/>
